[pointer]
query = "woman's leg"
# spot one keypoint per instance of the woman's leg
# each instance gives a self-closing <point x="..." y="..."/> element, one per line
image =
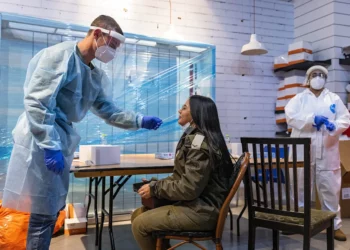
<point x="40" y="231"/>
<point x="167" y="218"/>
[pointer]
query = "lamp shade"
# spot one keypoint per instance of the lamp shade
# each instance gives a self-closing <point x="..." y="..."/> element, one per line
<point x="254" y="47"/>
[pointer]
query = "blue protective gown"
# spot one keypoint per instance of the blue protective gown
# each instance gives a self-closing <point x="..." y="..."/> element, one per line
<point x="59" y="89"/>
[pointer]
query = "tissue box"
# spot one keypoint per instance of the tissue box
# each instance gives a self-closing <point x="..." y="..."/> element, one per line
<point x="299" y="47"/>
<point x="75" y="226"/>
<point x="76" y="210"/>
<point x="299" y="58"/>
<point x="100" y="154"/>
<point x="165" y="156"/>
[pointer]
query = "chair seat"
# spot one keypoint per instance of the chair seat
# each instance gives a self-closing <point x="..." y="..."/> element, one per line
<point x="317" y="218"/>
<point x="189" y="234"/>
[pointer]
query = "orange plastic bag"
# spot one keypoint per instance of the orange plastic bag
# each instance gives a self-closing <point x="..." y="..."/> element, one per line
<point x="14" y="228"/>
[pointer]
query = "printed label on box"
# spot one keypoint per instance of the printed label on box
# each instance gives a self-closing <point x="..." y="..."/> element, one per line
<point x="346" y="193"/>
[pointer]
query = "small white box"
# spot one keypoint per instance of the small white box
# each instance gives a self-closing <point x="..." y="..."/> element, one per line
<point x="281" y="93"/>
<point x="298" y="47"/>
<point x="300" y="57"/>
<point x="75" y="226"/>
<point x="291" y="92"/>
<point x="281" y="118"/>
<point x="281" y="103"/>
<point x="76" y="210"/>
<point x="100" y="154"/>
<point x="281" y="61"/>
<point x="293" y="80"/>
<point x="165" y="155"/>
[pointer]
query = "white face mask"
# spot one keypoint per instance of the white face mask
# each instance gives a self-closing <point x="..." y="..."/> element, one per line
<point x="105" y="53"/>
<point x="317" y="83"/>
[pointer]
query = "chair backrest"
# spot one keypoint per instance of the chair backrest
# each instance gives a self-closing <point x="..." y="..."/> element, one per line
<point x="296" y="153"/>
<point x="239" y="170"/>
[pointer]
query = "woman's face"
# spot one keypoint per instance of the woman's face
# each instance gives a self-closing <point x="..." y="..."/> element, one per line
<point x="185" y="114"/>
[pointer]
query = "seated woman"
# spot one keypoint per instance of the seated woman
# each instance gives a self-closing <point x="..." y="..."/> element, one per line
<point x="199" y="183"/>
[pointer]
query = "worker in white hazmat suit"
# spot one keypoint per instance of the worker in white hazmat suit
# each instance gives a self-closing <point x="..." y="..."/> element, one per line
<point x="321" y="115"/>
<point x="61" y="86"/>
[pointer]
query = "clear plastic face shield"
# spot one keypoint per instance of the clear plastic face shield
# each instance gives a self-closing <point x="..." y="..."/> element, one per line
<point x="112" y="44"/>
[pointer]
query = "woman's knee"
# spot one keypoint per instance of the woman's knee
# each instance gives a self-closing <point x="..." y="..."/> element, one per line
<point x="136" y="213"/>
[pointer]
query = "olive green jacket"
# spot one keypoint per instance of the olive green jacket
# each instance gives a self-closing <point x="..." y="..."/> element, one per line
<point x="193" y="183"/>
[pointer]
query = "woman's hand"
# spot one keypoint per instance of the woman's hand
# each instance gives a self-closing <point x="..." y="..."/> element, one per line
<point x="145" y="191"/>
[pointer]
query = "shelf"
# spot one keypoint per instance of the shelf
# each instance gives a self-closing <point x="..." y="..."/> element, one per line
<point x="344" y="61"/>
<point x="306" y="65"/>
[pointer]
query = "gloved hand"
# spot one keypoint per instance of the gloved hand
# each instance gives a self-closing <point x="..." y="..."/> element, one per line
<point x="319" y="120"/>
<point x="151" y="122"/>
<point x="330" y="126"/>
<point x="54" y="160"/>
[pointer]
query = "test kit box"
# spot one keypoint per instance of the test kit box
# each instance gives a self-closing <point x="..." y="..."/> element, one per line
<point x="76" y="210"/>
<point x="299" y="58"/>
<point x="280" y="61"/>
<point x="75" y="226"/>
<point x="299" y="47"/>
<point x="99" y="154"/>
<point x="165" y="155"/>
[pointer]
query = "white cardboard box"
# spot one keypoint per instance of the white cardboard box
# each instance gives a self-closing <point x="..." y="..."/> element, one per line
<point x="300" y="57"/>
<point x="300" y="46"/>
<point x="76" y="210"/>
<point x="100" y="154"/>
<point x="294" y="80"/>
<point x="75" y="226"/>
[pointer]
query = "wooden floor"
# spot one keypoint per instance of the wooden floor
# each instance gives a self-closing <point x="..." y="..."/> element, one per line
<point x="124" y="239"/>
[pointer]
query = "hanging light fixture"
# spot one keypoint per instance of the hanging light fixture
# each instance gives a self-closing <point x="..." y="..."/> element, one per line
<point x="254" y="47"/>
<point x="171" y="33"/>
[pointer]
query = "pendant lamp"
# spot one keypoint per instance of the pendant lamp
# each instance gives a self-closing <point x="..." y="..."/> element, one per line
<point x="254" y="47"/>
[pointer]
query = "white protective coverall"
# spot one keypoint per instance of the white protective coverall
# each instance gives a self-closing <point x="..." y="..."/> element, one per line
<point x="325" y="160"/>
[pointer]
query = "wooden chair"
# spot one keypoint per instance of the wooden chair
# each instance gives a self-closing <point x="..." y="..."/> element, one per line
<point x="274" y="213"/>
<point x="191" y="237"/>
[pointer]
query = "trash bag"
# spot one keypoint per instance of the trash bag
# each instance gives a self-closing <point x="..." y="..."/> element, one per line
<point x="14" y="228"/>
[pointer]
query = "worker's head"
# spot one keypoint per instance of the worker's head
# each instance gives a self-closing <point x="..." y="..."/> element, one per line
<point x="316" y="77"/>
<point x="203" y="113"/>
<point x="106" y="37"/>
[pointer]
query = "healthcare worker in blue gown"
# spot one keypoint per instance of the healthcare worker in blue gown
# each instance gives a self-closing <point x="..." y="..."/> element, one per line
<point x="61" y="86"/>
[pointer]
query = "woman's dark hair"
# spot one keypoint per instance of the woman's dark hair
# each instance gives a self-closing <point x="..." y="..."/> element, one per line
<point x="205" y="116"/>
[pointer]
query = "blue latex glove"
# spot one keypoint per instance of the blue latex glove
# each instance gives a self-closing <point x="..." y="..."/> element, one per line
<point x="151" y="122"/>
<point x="330" y="126"/>
<point x="54" y="160"/>
<point x="319" y="120"/>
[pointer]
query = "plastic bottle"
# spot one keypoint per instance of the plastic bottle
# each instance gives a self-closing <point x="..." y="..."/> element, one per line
<point x="103" y="139"/>
<point x="228" y="143"/>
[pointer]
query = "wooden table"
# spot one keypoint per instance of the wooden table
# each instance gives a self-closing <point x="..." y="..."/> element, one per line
<point x="130" y="164"/>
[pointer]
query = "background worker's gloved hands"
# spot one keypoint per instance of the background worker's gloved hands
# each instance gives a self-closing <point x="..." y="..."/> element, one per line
<point x="151" y="122"/>
<point x="319" y="121"/>
<point x="54" y="160"/>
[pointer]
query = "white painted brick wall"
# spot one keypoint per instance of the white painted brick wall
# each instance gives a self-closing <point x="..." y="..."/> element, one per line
<point x="326" y="24"/>
<point x="246" y="85"/>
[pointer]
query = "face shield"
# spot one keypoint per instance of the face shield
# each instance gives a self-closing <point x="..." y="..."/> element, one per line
<point x="112" y="45"/>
